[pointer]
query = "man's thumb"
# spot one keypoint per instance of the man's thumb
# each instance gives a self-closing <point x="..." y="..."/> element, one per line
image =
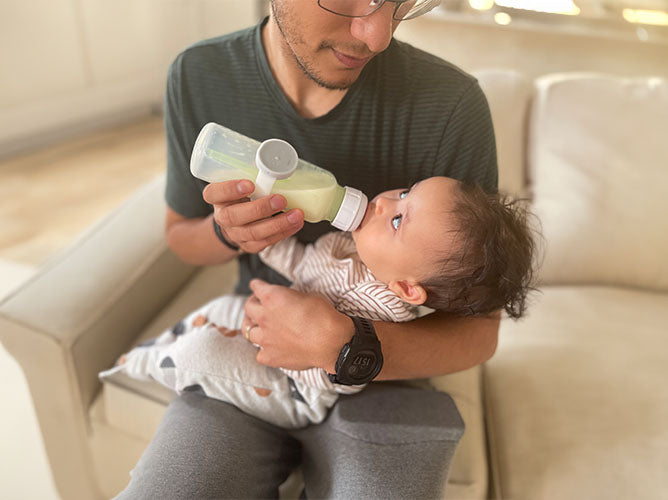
<point x="259" y="287"/>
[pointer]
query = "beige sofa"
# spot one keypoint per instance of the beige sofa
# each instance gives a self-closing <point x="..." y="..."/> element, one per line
<point x="574" y="403"/>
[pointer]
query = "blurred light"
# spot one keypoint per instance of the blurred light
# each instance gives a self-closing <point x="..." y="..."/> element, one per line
<point x="481" y="4"/>
<point x="502" y="18"/>
<point x="550" y="6"/>
<point x="642" y="34"/>
<point x="638" y="16"/>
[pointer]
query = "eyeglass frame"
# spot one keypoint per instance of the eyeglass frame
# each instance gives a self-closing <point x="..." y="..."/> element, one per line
<point x="433" y="3"/>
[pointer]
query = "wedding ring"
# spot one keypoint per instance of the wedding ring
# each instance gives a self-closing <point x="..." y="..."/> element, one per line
<point x="247" y="331"/>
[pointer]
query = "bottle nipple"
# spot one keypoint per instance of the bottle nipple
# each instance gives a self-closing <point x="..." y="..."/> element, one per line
<point x="275" y="159"/>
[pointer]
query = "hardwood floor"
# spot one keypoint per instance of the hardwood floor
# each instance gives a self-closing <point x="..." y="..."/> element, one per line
<point x="49" y="197"/>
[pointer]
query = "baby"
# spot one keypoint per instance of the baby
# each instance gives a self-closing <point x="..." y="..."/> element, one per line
<point x="442" y="244"/>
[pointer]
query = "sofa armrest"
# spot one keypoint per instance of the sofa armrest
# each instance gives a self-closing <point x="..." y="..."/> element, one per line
<point x="79" y="312"/>
<point x="385" y="416"/>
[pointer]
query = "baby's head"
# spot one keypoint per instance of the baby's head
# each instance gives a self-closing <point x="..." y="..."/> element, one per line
<point x="449" y="246"/>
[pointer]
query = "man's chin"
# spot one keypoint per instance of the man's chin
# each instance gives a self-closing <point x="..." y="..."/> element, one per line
<point x="332" y="84"/>
<point x="335" y="78"/>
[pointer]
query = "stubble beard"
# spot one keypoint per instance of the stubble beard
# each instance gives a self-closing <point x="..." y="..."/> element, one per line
<point x="306" y="67"/>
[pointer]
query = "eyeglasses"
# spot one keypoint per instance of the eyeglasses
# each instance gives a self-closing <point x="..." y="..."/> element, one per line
<point x="403" y="9"/>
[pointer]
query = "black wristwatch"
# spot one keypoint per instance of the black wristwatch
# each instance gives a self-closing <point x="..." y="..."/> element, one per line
<point x="360" y="359"/>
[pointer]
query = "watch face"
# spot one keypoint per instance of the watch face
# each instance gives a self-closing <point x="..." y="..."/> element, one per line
<point x="361" y="365"/>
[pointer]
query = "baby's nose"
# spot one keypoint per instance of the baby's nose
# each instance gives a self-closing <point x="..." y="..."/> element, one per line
<point x="382" y="204"/>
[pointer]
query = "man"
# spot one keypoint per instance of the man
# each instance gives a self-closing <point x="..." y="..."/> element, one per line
<point x="327" y="76"/>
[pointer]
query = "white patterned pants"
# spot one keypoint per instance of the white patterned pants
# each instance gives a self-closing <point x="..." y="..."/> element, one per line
<point x="206" y="353"/>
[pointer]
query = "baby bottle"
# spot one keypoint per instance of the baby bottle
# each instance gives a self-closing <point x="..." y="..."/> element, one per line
<point x="220" y="154"/>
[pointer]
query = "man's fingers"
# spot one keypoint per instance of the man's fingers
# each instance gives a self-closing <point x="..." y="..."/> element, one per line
<point x="253" y="310"/>
<point x="256" y="284"/>
<point x="268" y="229"/>
<point x="261" y="290"/>
<point x="264" y="358"/>
<point x="264" y="232"/>
<point x="258" y="246"/>
<point x="250" y="224"/>
<point x="218" y="193"/>
<point x="242" y="214"/>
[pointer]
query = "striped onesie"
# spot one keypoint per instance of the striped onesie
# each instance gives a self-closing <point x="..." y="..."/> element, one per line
<point x="205" y="352"/>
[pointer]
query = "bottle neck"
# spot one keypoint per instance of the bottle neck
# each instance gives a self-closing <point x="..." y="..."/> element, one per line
<point x="337" y="199"/>
<point x="351" y="209"/>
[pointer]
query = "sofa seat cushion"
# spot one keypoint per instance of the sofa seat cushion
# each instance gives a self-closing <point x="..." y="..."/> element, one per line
<point x="136" y="406"/>
<point x="576" y="399"/>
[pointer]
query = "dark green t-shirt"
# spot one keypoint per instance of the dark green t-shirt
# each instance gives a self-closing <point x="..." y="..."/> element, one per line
<point x="410" y="115"/>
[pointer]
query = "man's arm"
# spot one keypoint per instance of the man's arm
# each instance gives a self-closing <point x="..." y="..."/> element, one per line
<point x="436" y="344"/>
<point x="314" y="333"/>
<point x="194" y="240"/>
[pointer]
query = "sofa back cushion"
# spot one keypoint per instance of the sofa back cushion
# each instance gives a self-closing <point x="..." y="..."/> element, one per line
<point x="508" y="94"/>
<point x="598" y="161"/>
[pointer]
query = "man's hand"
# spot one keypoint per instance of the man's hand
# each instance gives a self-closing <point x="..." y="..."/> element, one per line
<point x="294" y="330"/>
<point x="249" y="224"/>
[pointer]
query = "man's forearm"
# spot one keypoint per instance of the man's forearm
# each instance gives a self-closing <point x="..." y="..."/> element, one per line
<point x="195" y="242"/>
<point x="436" y="344"/>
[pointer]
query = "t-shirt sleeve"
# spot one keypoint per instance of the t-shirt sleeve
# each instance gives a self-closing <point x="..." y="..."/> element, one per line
<point x="183" y="192"/>
<point x="467" y="150"/>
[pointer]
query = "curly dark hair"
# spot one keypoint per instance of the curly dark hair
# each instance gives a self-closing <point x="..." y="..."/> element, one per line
<point x="491" y="266"/>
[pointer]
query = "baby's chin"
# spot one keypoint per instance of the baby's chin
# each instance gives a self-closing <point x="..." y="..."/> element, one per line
<point x="361" y="240"/>
<point x="357" y="234"/>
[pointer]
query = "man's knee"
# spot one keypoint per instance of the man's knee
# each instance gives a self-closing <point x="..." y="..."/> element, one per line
<point x="389" y="441"/>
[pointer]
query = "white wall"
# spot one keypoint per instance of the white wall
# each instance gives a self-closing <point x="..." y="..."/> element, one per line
<point x="70" y="66"/>
<point x="74" y="65"/>
<point x="475" y="46"/>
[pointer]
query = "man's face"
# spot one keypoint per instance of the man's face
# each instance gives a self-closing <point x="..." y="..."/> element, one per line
<point x="332" y="50"/>
<point x="404" y="231"/>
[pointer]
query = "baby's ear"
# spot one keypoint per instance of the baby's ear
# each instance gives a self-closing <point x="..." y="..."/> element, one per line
<point x="409" y="291"/>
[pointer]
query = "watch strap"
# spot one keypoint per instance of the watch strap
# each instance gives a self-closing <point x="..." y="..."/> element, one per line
<point x="364" y="330"/>
<point x="364" y="336"/>
<point x="221" y="236"/>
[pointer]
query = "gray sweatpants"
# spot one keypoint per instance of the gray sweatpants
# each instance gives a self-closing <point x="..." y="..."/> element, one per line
<point x="388" y="441"/>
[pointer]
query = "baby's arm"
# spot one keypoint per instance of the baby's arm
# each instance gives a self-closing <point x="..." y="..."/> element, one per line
<point x="375" y="301"/>
<point x="284" y="256"/>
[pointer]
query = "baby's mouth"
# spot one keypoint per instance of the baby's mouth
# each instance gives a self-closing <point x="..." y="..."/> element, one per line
<point x="370" y="207"/>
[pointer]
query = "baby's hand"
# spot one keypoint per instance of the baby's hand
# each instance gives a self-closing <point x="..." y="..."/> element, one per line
<point x="121" y="361"/>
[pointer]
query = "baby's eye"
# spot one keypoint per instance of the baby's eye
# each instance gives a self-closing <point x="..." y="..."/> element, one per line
<point x="396" y="221"/>
<point x="403" y="194"/>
